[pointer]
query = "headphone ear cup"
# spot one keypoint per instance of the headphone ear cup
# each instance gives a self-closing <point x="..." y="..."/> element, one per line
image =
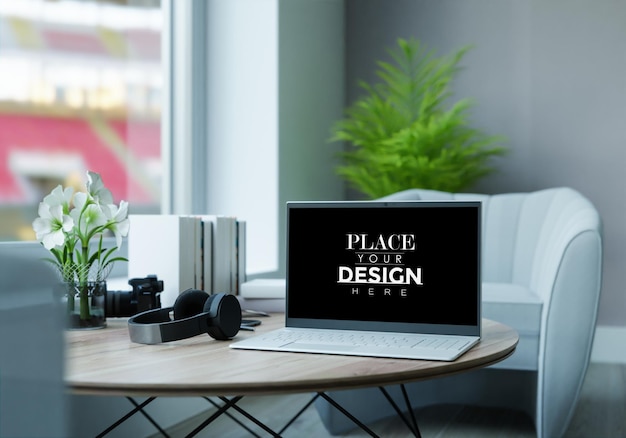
<point x="190" y="303"/>
<point x="209" y="302"/>
<point x="225" y="312"/>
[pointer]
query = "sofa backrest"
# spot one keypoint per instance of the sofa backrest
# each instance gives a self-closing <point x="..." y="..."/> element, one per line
<point x="524" y="234"/>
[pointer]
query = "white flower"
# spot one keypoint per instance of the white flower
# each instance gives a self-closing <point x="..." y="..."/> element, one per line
<point x="61" y="197"/>
<point x="118" y="221"/>
<point x="96" y="189"/>
<point x="68" y="233"/>
<point x="87" y="215"/>
<point x="51" y="225"/>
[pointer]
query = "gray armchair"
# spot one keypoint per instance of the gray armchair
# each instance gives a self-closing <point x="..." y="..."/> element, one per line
<point x="32" y="392"/>
<point x="542" y="272"/>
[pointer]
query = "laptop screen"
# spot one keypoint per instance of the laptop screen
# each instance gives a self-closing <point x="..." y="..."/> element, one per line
<point x="406" y="266"/>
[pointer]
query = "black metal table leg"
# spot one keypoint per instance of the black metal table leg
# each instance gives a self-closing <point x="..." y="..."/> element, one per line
<point x="250" y="417"/>
<point x="412" y="427"/>
<point x="416" y="430"/>
<point x="148" y="417"/>
<point x="232" y="404"/>
<point x="300" y="412"/>
<point x="219" y="412"/>
<point x="236" y="420"/>
<point x="347" y="414"/>
<point x="138" y="407"/>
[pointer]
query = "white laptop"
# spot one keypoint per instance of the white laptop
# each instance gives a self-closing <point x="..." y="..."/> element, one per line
<point x="394" y="279"/>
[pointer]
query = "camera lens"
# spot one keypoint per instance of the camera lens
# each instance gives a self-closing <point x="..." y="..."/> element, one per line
<point x="119" y="303"/>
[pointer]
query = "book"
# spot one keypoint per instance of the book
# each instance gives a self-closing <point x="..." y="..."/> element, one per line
<point x="240" y="248"/>
<point x="232" y="254"/>
<point x="163" y="245"/>
<point x="207" y="256"/>
<point x="262" y="304"/>
<point x="203" y="253"/>
<point x="264" y="288"/>
<point x="198" y="265"/>
<point x="223" y="247"/>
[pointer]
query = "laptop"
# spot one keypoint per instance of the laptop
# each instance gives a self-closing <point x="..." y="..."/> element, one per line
<point x="396" y="279"/>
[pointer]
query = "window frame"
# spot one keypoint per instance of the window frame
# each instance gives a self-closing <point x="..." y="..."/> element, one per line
<point x="184" y="64"/>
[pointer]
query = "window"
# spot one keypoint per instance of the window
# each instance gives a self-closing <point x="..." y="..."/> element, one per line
<point x="84" y="94"/>
<point x="87" y="92"/>
<point x="237" y="140"/>
<point x="222" y="117"/>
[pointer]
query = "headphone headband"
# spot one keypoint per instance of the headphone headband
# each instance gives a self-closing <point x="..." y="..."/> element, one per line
<point x="195" y="312"/>
<point x="156" y="326"/>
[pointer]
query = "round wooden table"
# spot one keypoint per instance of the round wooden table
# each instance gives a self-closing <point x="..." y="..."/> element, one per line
<point x="106" y="362"/>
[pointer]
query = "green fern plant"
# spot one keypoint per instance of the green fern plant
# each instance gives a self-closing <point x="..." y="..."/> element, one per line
<point x="402" y="135"/>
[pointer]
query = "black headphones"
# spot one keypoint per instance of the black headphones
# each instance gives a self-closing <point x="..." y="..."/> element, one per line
<point x="195" y="312"/>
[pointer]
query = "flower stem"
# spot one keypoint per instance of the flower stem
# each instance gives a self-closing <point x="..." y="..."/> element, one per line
<point x="84" y="301"/>
<point x="84" y="285"/>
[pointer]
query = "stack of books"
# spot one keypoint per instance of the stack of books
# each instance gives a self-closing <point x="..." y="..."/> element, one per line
<point x="265" y="294"/>
<point x="206" y="252"/>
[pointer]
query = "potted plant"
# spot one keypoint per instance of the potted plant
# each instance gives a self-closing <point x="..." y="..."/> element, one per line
<point x="72" y="226"/>
<point x="402" y="134"/>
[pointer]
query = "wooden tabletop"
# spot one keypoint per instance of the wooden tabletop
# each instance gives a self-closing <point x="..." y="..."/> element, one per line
<point x="106" y="362"/>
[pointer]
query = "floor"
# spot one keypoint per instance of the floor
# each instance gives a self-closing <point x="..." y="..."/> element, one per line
<point x="601" y="413"/>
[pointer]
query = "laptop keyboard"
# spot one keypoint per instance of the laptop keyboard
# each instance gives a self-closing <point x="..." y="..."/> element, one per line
<point x="359" y="339"/>
<point x="360" y="343"/>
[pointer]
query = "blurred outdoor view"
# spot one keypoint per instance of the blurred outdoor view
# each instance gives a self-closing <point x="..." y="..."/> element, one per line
<point x="80" y="89"/>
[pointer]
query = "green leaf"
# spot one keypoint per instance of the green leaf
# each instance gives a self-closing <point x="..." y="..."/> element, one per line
<point x="403" y="133"/>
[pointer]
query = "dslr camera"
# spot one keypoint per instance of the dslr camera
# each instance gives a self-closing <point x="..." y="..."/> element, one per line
<point x="145" y="295"/>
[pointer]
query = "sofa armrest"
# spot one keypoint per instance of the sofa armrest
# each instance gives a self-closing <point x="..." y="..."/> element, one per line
<point x="567" y="331"/>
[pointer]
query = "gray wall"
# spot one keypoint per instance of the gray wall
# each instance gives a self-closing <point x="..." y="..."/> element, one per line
<point x="548" y="75"/>
<point x="311" y="97"/>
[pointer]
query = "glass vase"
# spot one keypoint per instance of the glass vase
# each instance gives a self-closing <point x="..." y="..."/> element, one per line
<point x="86" y="305"/>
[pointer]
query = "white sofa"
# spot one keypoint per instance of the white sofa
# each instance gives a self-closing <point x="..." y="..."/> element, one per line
<point x="542" y="272"/>
<point x="33" y="401"/>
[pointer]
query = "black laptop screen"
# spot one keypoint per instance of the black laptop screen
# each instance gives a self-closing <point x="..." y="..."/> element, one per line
<point x="409" y="265"/>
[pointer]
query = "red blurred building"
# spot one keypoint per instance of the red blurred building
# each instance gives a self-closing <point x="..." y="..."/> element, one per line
<point x="83" y="94"/>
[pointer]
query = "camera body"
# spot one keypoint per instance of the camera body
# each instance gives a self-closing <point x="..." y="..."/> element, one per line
<point x="145" y="295"/>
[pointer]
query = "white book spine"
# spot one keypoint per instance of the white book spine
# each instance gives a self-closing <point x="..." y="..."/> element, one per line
<point x="207" y="255"/>
<point x="241" y="255"/>
<point x="221" y="253"/>
<point x="198" y="265"/>
<point x="233" y="255"/>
